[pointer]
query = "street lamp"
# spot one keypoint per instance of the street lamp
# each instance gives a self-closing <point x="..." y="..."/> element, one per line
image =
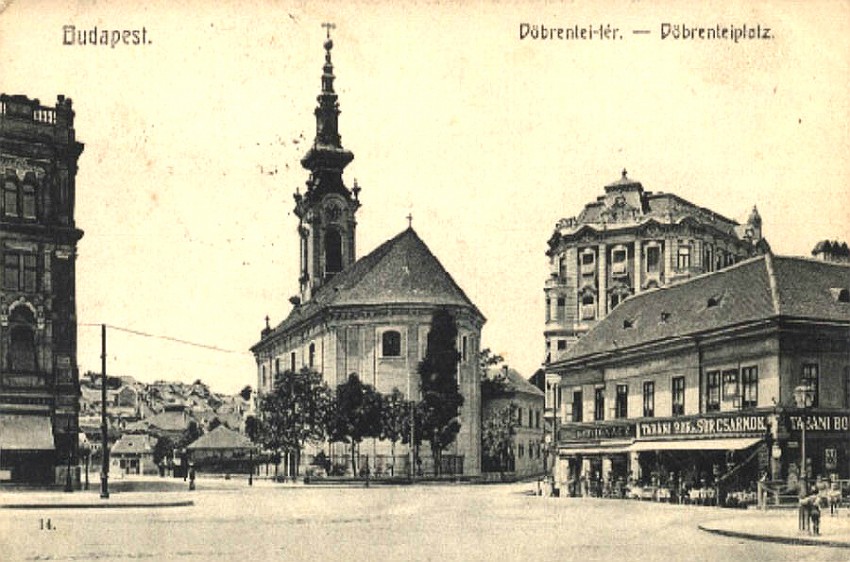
<point x="804" y="396"/>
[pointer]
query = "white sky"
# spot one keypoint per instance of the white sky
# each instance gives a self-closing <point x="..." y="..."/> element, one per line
<point x="185" y="185"/>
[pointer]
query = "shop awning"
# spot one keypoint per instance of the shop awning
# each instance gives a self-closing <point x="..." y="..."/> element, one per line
<point x="697" y="445"/>
<point x="25" y="433"/>
<point x="590" y="450"/>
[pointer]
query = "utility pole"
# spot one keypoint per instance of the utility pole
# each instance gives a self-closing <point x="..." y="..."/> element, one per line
<point x="412" y="441"/>
<point x="104" y="471"/>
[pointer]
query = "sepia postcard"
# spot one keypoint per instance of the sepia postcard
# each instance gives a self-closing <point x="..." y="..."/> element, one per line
<point x="240" y="239"/>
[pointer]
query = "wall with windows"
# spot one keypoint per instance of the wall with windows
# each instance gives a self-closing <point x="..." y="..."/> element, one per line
<point x="684" y="382"/>
<point x="821" y="360"/>
<point x="528" y="450"/>
<point x="385" y="351"/>
<point x="740" y="374"/>
<point x="38" y="238"/>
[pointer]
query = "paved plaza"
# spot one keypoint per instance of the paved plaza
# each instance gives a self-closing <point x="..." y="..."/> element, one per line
<point x="230" y="521"/>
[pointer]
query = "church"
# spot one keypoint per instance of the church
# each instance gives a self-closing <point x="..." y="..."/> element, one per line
<point x="369" y="316"/>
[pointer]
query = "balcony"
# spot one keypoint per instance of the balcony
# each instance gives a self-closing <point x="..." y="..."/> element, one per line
<point x="587" y="269"/>
<point x="619" y="269"/>
<point x="25" y="380"/>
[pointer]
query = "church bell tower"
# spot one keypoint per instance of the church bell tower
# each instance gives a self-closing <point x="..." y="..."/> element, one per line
<point x="326" y="210"/>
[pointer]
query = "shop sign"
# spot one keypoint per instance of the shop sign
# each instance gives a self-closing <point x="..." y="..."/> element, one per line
<point x="596" y="432"/>
<point x="704" y="427"/>
<point x="819" y="422"/>
<point x="830" y="458"/>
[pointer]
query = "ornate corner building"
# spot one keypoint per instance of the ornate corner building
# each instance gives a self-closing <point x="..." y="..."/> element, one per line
<point x="369" y="316"/>
<point x="626" y="242"/>
<point x="39" y="388"/>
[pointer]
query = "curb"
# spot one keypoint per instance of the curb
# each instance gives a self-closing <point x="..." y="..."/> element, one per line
<point x="798" y="541"/>
<point x="184" y="503"/>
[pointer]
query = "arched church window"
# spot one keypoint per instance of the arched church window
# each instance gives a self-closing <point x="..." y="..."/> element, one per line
<point x="333" y="251"/>
<point x="391" y="344"/>
<point x="312" y="355"/>
<point x="22" y="351"/>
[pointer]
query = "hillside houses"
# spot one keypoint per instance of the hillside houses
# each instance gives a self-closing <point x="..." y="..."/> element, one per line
<point x="155" y="410"/>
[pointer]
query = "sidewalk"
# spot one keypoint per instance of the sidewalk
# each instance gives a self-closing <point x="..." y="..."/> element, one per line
<point x="781" y="526"/>
<point x="134" y="492"/>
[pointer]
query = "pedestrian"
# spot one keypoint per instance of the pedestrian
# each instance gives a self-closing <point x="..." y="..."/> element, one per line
<point x="191" y="478"/>
<point x="814" y="514"/>
<point x="804" y="513"/>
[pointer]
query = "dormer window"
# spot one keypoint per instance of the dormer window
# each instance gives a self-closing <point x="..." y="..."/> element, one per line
<point x="713" y="301"/>
<point x="665" y="316"/>
<point x="840" y="295"/>
<point x="627" y="323"/>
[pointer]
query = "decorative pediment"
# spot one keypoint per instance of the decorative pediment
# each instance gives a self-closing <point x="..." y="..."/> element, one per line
<point x="620" y="211"/>
<point x="21" y="166"/>
<point x="36" y="310"/>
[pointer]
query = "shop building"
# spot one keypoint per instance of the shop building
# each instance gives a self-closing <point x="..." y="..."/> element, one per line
<point x="39" y="379"/>
<point x="625" y="242"/>
<point x="693" y="384"/>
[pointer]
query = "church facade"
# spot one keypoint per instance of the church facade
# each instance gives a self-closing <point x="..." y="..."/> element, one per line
<point x="39" y="388"/>
<point x="369" y="316"/>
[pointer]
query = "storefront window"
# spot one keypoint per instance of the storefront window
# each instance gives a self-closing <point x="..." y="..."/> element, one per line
<point x="810" y="379"/>
<point x="749" y="387"/>
<point x="648" y="399"/>
<point x="712" y="403"/>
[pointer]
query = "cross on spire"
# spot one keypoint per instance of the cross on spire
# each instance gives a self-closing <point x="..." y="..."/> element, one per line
<point x="409" y="218"/>
<point x="328" y="26"/>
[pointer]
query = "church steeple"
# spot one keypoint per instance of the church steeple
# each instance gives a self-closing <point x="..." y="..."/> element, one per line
<point x="326" y="159"/>
<point x="326" y="210"/>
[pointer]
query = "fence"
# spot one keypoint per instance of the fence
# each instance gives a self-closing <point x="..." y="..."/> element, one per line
<point x="384" y="466"/>
<point x="775" y="493"/>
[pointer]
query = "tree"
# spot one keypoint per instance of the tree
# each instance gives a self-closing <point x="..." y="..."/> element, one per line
<point x="441" y="397"/>
<point x="395" y="410"/>
<point x="191" y="434"/>
<point x="487" y="359"/>
<point x="497" y="433"/>
<point x="356" y="415"/>
<point x="246" y="392"/>
<point x="295" y="412"/>
<point x="163" y="450"/>
<point x="253" y="428"/>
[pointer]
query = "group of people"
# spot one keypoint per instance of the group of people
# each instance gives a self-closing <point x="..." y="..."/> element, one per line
<point x="824" y="493"/>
